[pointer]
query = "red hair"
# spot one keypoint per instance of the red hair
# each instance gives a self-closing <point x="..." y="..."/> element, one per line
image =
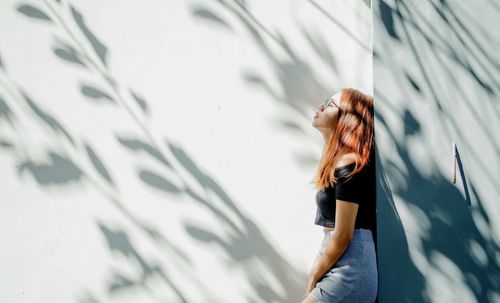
<point x="355" y="133"/>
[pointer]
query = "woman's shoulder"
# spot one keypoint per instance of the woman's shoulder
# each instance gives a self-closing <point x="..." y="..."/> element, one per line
<point x="345" y="161"/>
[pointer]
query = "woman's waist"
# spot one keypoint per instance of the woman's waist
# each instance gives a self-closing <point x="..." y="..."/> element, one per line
<point x="362" y="234"/>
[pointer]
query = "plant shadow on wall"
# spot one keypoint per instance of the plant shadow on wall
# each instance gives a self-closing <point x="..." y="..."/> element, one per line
<point x="454" y="252"/>
<point x="75" y="160"/>
<point x="297" y="86"/>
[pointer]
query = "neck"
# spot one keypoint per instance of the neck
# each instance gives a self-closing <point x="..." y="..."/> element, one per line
<point x="327" y="136"/>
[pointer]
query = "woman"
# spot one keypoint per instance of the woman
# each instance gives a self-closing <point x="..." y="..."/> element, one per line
<point x="345" y="269"/>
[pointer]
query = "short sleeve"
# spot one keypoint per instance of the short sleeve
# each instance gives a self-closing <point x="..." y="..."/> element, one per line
<point x="349" y="188"/>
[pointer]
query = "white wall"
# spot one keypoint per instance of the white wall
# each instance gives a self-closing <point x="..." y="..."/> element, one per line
<point x="436" y="82"/>
<point x="197" y="193"/>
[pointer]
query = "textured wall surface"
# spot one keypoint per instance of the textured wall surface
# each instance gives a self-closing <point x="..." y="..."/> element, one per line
<point x="436" y="81"/>
<point x="161" y="151"/>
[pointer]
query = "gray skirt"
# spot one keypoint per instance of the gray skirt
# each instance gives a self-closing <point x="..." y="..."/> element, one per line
<point x="354" y="277"/>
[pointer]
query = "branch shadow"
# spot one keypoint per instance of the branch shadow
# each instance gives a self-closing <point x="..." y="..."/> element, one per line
<point x="446" y="241"/>
<point x="246" y="246"/>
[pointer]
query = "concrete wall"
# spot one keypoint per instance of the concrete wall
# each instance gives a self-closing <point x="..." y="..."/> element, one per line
<point x="436" y="81"/>
<point x="161" y="151"/>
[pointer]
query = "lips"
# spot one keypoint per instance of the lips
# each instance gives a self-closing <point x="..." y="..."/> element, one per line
<point x="316" y="115"/>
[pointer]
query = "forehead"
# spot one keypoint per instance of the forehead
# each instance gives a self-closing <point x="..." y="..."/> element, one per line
<point x="336" y="97"/>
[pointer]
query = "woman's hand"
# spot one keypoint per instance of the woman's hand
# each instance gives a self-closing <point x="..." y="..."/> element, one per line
<point x="304" y="297"/>
<point x="311" y="283"/>
<point x="310" y="286"/>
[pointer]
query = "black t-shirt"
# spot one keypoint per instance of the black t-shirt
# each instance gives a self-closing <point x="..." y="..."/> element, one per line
<point x="360" y="188"/>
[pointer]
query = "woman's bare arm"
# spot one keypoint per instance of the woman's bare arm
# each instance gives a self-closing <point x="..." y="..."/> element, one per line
<point x="315" y="263"/>
<point x="345" y="218"/>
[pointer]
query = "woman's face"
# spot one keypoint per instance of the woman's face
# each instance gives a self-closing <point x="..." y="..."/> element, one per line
<point x="326" y="117"/>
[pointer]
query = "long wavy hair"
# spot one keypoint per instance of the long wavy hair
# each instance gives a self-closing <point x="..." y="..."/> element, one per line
<point x="355" y="133"/>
